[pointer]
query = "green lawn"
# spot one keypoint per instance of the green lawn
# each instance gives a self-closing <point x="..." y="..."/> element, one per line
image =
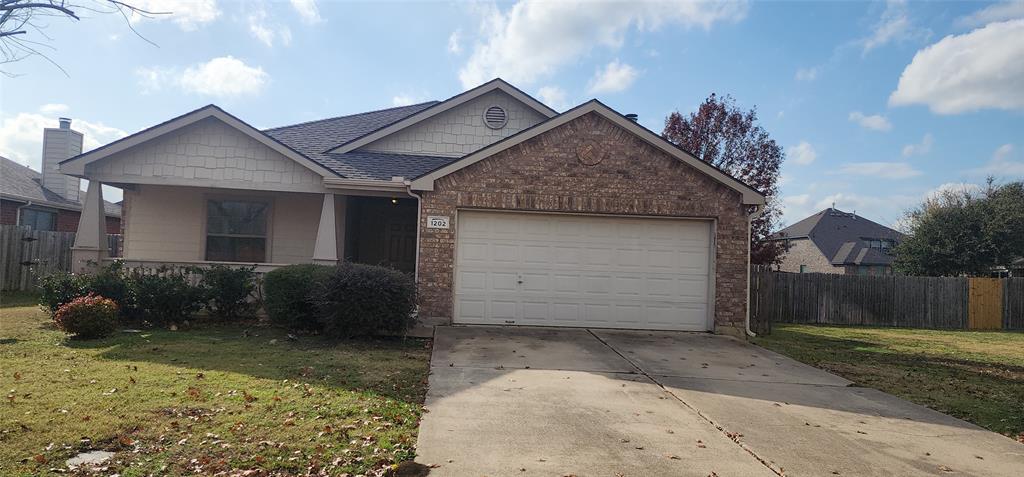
<point x="977" y="376"/>
<point x="205" y="400"/>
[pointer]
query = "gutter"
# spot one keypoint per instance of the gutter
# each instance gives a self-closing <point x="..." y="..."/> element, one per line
<point x="758" y="210"/>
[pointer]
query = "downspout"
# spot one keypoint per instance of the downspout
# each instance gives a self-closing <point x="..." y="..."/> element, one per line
<point x="758" y="210"/>
<point x="419" y="219"/>
<point x="17" y="212"/>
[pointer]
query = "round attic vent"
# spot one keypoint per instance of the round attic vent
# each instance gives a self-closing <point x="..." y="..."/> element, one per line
<point x="495" y="117"/>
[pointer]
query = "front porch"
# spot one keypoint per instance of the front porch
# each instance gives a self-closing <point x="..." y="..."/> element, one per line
<point x="175" y="226"/>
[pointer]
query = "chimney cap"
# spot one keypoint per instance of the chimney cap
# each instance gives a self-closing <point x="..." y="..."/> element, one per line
<point x="65" y="123"/>
<point x="632" y="117"/>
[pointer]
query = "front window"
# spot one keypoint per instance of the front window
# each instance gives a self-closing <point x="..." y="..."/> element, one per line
<point x="236" y="231"/>
<point x="39" y="219"/>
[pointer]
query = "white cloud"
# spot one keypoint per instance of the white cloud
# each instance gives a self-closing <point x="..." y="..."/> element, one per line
<point x="893" y="26"/>
<point x="615" y="77"/>
<point x="802" y="153"/>
<point x="307" y="10"/>
<point x="807" y="74"/>
<point x="1002" y="164"/>
<point x="875" y="122"/>
<point x="882" y="170"/>
<point x="21" y="136"/>
<point x="265" y="33"/>
<point x="554" y="97"/>
<point x="919" y="149"/>
<point x="53" y="108"/>
<point x="534" y="38"/>
<point x="406" y="99"/>
<point x="996" y="12"/>
<point x="225" y="76"/>
<point x="187" y="14"/>
<point x="954" y="187"/>
<point x="455" y="42"/>
<point x="152" y="79"/>
<point x="961" y="73"/>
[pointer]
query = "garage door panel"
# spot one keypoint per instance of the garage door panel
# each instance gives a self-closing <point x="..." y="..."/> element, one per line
<point x="560" y="270"/>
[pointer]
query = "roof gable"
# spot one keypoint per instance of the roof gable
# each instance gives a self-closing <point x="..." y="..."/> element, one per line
<point x="459" y="130"/>
<point x="438" y="108"/>
<point x="749" y="194"/>
<point x="76" y="165"/>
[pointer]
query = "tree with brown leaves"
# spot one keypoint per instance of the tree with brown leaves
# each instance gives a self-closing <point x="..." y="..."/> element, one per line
<point x="729" y="138"/>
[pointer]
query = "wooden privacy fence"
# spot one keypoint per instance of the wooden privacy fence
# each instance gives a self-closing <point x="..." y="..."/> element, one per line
<point x="890" y="300"/>
<point x="27" y="254"/>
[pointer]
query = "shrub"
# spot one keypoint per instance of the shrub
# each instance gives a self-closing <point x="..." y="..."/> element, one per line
<point x="59" y="288"/>
<point x="365" y="299"/>
<point x="228" y="291"/>
<point x="111" y="282"/>
<point x="89" y="316"/>
<point x="288" y="294"/>
<point x="164" y="298"/>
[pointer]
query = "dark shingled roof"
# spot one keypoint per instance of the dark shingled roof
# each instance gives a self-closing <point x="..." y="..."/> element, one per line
<point x="840" y="237"/>
<point x="23" y="184"/>
<point x="312" y="139"/>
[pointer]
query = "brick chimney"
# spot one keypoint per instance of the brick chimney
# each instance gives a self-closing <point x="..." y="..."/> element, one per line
<point x="59" y="144"/>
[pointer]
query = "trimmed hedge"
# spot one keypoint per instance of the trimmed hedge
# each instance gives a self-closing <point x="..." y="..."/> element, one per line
<point x="87" y="317"/>
<point x="359" y="300"/>
<point x="228" y="291"/>
<point x="288" y="295"/>
<point x="161" y="299"/>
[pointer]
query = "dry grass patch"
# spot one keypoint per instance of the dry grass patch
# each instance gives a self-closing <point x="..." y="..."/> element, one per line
<point x="206" y="400"/>
<point x="977" y="376"/>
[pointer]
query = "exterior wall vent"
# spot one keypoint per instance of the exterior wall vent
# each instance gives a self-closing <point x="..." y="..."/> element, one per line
<point x="495" y="117"/>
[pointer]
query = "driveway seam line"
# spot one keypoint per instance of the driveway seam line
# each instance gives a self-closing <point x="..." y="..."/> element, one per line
<point x="741" y="445"/>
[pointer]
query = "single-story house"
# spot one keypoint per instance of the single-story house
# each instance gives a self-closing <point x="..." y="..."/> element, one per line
<point x="833" y="241"/>
<point x="506" y="211"/>
<point x="48" y="200"/>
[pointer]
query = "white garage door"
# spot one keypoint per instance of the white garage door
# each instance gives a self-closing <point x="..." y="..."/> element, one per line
<point x="570" y="270"/>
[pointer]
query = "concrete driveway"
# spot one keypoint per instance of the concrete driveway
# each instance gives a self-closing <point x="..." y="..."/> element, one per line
<point x="546" y="401"/>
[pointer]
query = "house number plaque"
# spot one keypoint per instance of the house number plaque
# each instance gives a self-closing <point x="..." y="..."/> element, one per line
<point x="437" y="221"/>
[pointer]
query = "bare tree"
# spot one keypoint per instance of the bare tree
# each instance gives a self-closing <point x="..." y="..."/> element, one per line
<point x="23" y="24"/>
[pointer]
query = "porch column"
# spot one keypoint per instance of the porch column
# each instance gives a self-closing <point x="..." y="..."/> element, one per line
<point x="91" y="239"/>
<point x="325" y="252"/>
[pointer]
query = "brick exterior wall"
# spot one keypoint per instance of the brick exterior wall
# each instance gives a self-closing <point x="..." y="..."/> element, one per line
<point x="804" y="252"/>
<point x="67" y="220"/>
<point x="544" y="174"/>
<point x="9" y="212"/>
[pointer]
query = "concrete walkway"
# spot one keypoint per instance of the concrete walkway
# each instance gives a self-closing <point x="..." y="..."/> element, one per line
<point x="544" y="401"/>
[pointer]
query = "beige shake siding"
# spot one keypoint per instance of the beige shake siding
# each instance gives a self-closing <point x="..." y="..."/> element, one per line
<point x="460" y="130"/>
<point x="208" y="153"/>
<point x="168" y="223"/>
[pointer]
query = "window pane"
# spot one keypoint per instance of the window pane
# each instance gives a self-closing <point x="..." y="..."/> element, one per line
<point x="39" y="219"/>
<point x="236" y="249"/>
<point x="235" y="217"/>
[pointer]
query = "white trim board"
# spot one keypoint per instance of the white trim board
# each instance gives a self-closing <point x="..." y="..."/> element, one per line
<point x="495" y="84"/>
<point x="76" y="165"/>
<point x="750" y="196"/>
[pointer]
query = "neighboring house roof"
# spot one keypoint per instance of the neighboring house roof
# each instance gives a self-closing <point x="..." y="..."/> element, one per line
<point x="750" y="195"/>
<point x="23" y="184"/>
<point x="841" y="237"/>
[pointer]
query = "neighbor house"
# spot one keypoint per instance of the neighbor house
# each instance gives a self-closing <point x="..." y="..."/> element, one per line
<point x="833" y="241"/>
<point x="50" y="200"/>
<point x="506" y="211"/>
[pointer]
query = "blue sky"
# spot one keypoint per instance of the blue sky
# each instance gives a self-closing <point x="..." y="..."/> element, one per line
<point x="877" y="103"/>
